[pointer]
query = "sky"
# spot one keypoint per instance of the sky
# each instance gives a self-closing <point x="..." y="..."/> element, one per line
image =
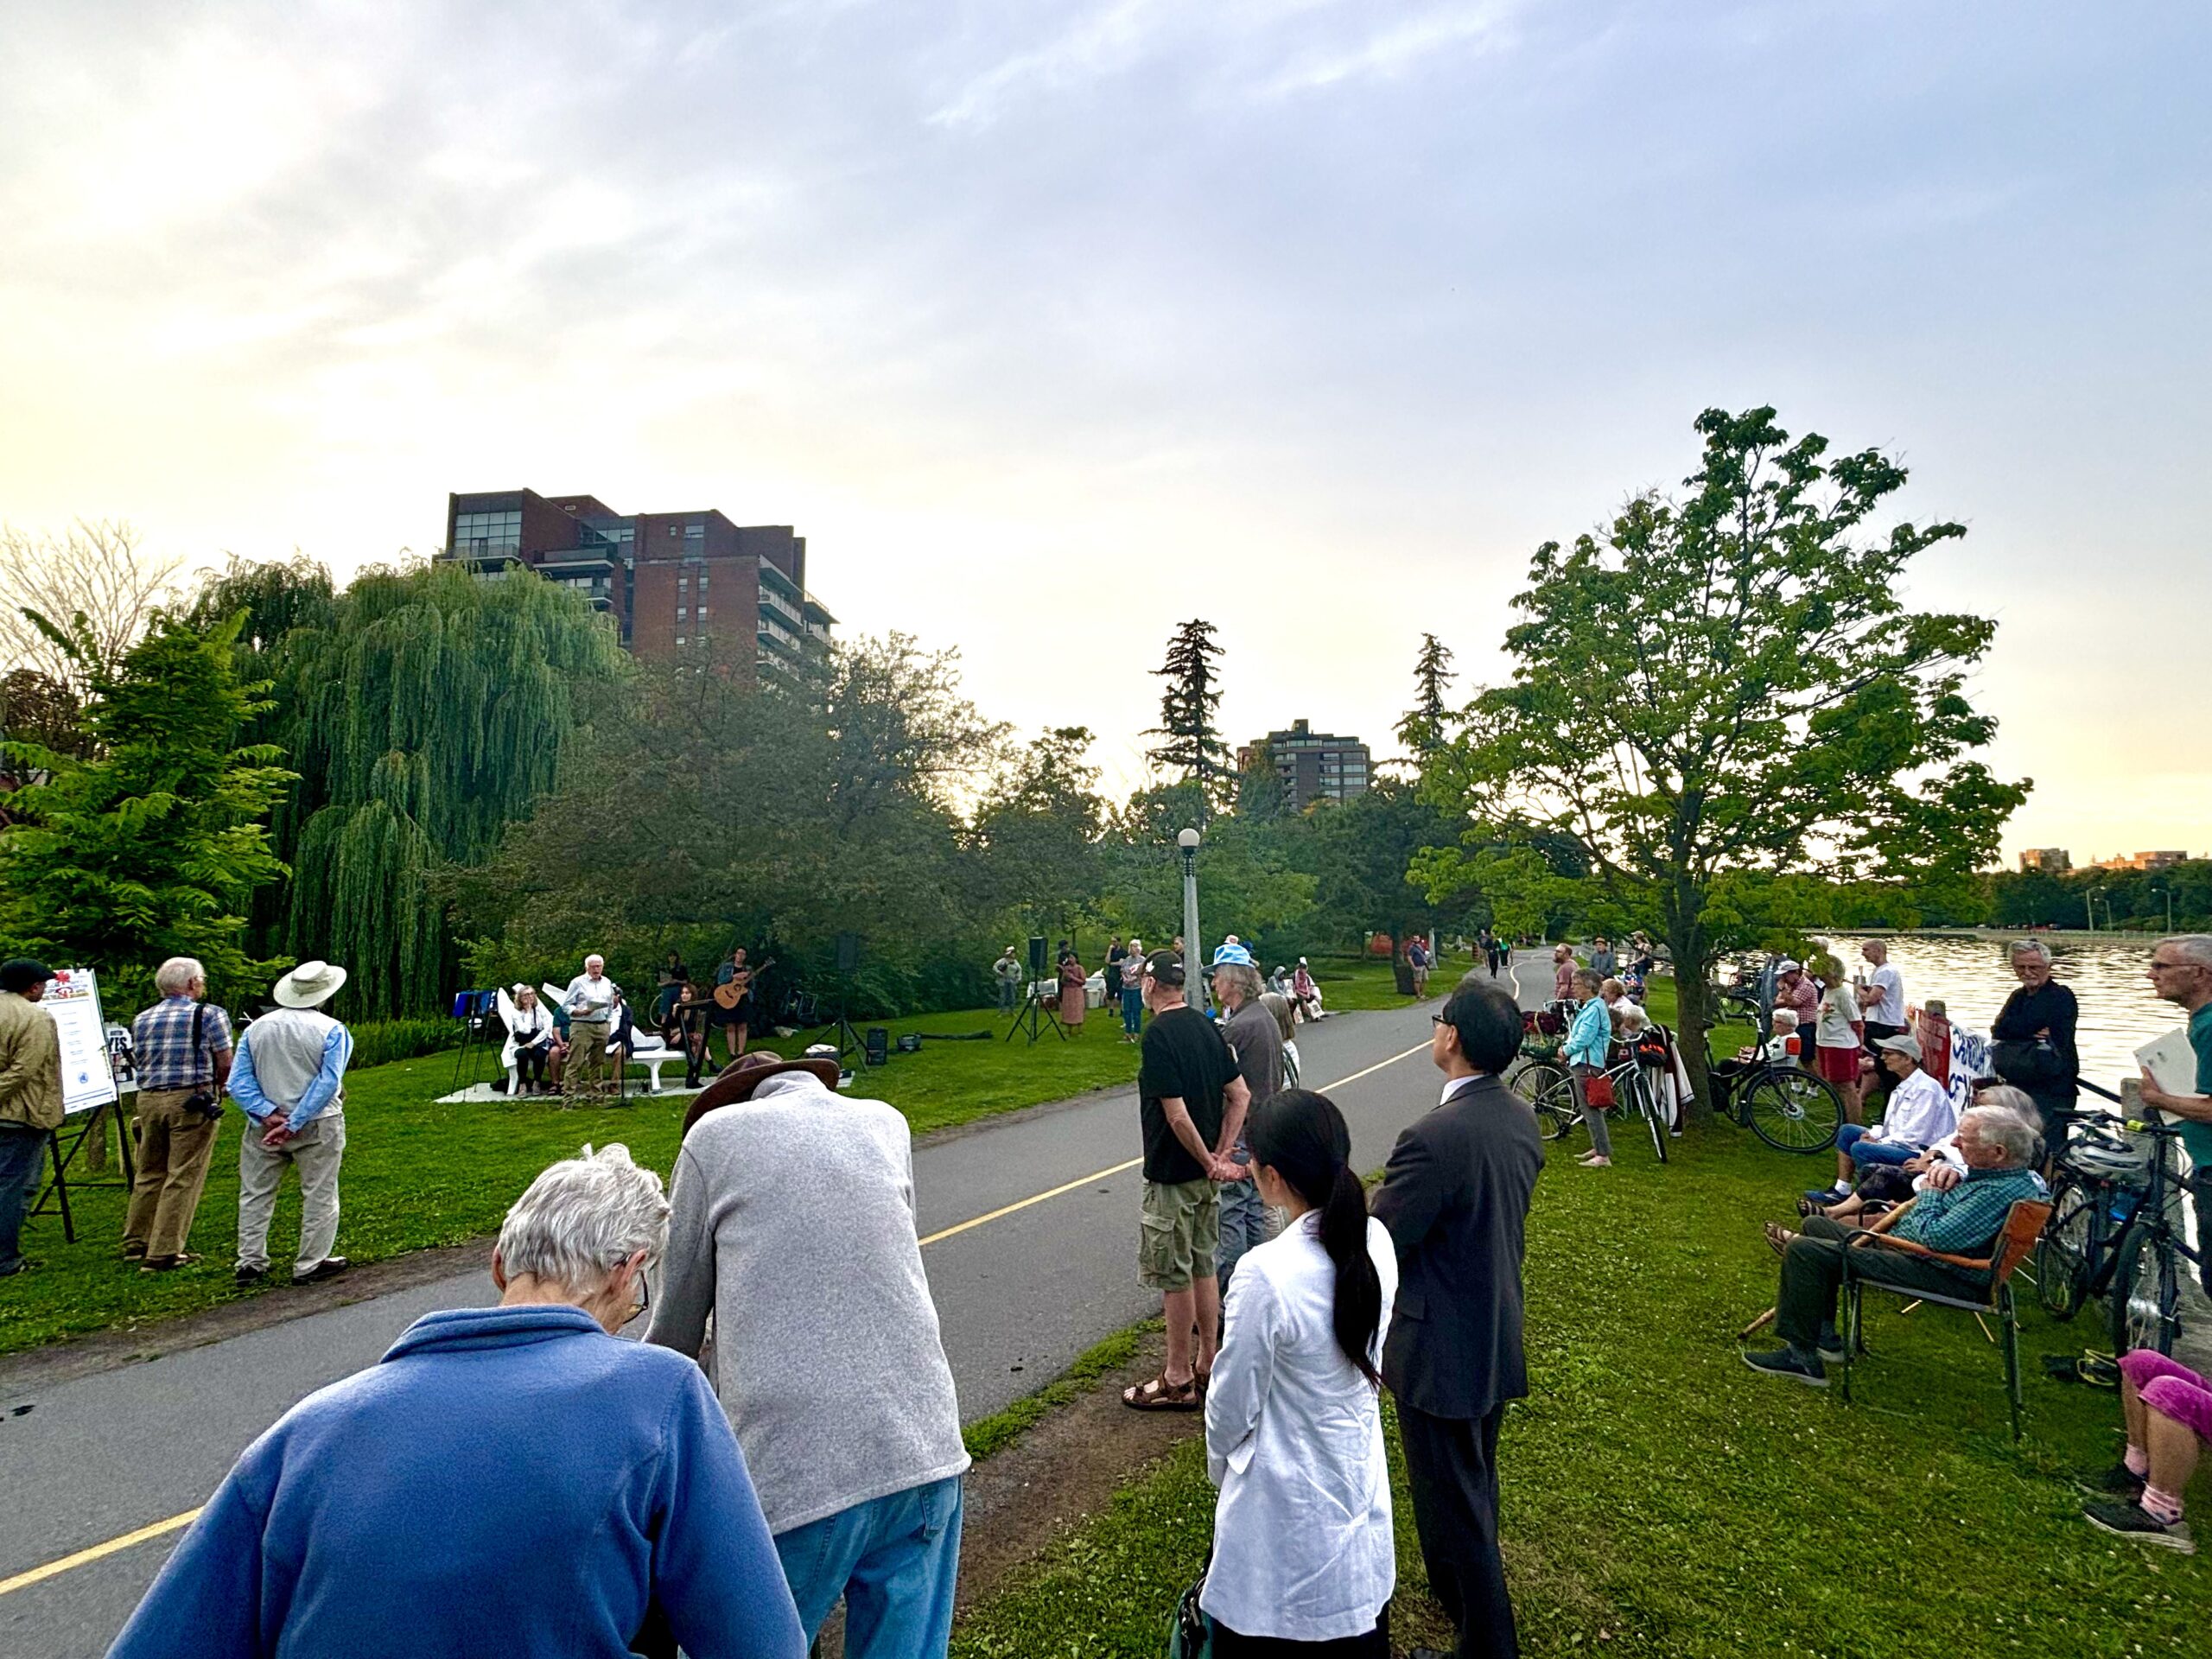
<point x="1051" y="325"/>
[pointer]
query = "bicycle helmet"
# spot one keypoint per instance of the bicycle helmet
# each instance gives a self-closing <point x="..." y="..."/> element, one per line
<point x="2109" y="1157"/>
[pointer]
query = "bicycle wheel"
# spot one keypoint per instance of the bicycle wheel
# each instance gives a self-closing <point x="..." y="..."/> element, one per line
<point x="1793" y="1110"/>
<point x="2146" y="1295"/>
<point x="2063" y="1253"/>
<point x="1654" y="1111"/>
<point x="1550" y="1093"/>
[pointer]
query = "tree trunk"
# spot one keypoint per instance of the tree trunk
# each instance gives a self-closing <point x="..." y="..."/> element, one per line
<point x="1692" y="1013"/>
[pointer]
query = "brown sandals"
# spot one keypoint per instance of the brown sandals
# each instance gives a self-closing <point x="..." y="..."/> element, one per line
<point x="1160" y="1394"/>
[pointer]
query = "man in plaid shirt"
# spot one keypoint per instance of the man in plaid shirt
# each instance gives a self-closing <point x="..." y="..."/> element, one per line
<point x="175" y="1142"/>
<point x="1958" y="1216"/>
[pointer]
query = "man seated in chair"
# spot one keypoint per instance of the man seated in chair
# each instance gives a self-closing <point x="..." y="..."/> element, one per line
<point x="1998" y="1149"/>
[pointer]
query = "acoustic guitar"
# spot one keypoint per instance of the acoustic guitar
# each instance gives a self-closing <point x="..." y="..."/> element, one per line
<point x="729" y="995"/>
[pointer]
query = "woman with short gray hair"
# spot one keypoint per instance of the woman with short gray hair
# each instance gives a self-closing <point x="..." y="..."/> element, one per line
<point x="2031" y="1045"/>
<point x="513" y="1479"/>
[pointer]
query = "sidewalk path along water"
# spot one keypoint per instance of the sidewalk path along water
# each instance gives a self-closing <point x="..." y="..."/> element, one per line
<point x="1026" y="1221"/>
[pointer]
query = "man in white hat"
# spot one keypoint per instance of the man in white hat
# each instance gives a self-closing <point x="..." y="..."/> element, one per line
<point x="286" y="1077"/>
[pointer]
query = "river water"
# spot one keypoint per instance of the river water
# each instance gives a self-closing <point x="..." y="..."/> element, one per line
<point x="1974" y="976"/>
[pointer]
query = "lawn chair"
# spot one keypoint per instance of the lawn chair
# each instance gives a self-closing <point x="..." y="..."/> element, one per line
<point x="2023" y="1225"/>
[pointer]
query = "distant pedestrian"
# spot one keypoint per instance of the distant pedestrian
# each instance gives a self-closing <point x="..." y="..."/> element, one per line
<point x="1602" y="962"/>
<point x="793" y="1227"/>
<point x="511" y="1480"/>
<point x="589" y="1003"/>
<point x="1304" y="1555"/>
<point x="2031" y="1040"/>
<point x="1257" y="1041"/>
<point x="287" y="1076"/>
<point x="1455" y="1197"/>
<point x="182" y="1046"/>
<point x="1115" y="951"/>
<point x="1563" y="973"/>
<point x="1191" y="1103"/>
<point x="1075" y="989"/>
<point x="1133" y="994"/>
<point x="1837" y="1034"/>
<point x="1420" y="959"/>
<point x="1881" y="996"/>
<point x="1589" y="1045"/>
<point x="1009" y="973"/>
<point x="30" y="1096"/>
<point x="1793" y="989"/>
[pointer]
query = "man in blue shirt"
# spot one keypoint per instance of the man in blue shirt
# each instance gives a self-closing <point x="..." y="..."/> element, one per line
<point x="1956" y="1216"/>
<point x="286" y="1077"/>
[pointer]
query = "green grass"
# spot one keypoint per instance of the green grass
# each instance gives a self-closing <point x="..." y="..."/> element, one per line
<point x="1660" y="1498"/>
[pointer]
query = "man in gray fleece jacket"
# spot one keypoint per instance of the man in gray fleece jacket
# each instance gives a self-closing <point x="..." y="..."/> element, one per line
<point x="794" y="1225"/>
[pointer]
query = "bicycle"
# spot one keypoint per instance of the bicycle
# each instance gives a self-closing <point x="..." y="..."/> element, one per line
<point x="2145" y="1299"/>
<point x="2101" y="1180"/>
<point x="1549" y="1087"/>
<point x="1789" y="1108"/>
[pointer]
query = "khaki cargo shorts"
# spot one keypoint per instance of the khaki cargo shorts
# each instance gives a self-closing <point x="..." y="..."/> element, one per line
<point x="1178" y="1233"/>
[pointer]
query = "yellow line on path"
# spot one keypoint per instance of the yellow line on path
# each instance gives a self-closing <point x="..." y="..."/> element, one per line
<point x="178" y="1522"/>
<point x="86" y="1557"/>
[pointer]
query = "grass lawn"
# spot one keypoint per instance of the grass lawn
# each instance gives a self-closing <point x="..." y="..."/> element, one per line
<point x="1661" y="1498"/>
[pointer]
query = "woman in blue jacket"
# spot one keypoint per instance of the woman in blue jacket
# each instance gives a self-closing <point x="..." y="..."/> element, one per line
<point x="1589" y="1040"/>
<point x="515" y="1480"/>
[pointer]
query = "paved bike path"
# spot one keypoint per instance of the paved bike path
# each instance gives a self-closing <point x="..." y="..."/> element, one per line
<point x="1020" y="1295"/>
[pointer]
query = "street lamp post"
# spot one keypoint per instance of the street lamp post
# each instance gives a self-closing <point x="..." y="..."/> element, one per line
<point x="1194" y="984"/>
<point x="2091" y="899"/>
<point x="2167" y="894"/>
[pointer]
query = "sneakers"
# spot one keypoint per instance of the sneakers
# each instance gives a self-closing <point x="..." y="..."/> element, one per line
<point x="2129" y="1520"/>
<point x="329" y="1267"/>
<point x="250" y="1275"/>
<point x="2118" y="1482"/>
<point x="1783" y="1362"/>
<point x="1830" y="1346"/>
<point x="166" y="1263"/>
<point x="1825" y="1196"/>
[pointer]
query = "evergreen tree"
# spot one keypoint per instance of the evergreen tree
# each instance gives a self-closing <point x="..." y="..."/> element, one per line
<point x="1423" y="730"/>
<point x="152" y="848"/>
<point x="1191" y="748"/>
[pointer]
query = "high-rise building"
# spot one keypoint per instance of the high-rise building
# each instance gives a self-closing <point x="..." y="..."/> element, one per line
<point x="2046" y="860"/>
<point x="688" y="587"/>
<point x="2165" y="858"/>
<point x="1313" y="765"/>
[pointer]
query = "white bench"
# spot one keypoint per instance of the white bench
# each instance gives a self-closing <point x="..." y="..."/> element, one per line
<point x="649" y="1053"/>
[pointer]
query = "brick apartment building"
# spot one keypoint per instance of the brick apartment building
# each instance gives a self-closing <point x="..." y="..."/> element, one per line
<point x="1313" y="765"/>
<point x="681" y="587"/>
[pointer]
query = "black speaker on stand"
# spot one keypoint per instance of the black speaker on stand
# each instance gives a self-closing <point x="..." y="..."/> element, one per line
<point x="1035" y="1011"/>
<point x="840" y="1031"/>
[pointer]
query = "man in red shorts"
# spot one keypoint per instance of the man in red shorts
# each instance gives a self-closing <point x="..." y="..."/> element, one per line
<point x="2169" y="1412"/>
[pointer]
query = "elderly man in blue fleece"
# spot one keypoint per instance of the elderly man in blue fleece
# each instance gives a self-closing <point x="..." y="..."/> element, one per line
<point x="513" y="1480"/>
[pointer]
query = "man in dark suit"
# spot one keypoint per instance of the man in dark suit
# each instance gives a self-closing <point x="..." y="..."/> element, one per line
<point x="1455" y="1197"/>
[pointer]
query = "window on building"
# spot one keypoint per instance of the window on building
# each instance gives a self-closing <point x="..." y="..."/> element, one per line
<point x="679" y="639"/>
<point x="695" y="533"/>
<point x="683" y="611"/>
<point x="486" y="535"/>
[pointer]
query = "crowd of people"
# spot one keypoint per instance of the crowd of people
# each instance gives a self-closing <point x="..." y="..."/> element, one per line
<point x="285" y="1070"/>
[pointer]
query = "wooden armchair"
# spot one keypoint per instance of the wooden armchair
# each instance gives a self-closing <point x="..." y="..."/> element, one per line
<point x="2023" y="1225"/>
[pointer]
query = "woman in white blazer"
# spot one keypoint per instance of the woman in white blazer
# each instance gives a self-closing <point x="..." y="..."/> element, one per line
<point x="1304" y="1558"/>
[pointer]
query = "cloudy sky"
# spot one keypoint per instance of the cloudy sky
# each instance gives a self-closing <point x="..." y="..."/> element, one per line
<point x="1052" y="325"/>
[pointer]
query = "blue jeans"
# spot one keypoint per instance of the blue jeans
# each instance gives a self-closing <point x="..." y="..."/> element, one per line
<point x="22" y="1157"/>
<point x="1132" y="1009"/>
<point x="1852" y="1138"/>
<point x="1243" y="1224"/>
<point x="895" y="1559"/>
<point x="1008" y="996"/>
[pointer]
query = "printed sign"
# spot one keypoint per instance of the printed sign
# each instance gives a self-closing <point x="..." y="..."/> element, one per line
<point x="1952" y="1055"/>
<point x="74" y="1000"/>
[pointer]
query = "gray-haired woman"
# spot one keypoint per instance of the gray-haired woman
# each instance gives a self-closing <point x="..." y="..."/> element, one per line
<point x="513" y="1479"/>
<point x="2032" y="1041"/>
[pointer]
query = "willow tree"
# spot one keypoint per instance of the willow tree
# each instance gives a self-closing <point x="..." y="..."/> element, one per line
<point x="425" y="711"/>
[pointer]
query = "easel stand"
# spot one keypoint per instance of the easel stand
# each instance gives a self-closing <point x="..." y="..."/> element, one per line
<point x="476" y="1038"/>
<point x="60" y="1153"/>
<point x="1036" y="1012"/>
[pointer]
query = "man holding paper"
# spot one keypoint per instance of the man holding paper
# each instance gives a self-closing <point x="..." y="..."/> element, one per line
<point x="2181" y="972"/>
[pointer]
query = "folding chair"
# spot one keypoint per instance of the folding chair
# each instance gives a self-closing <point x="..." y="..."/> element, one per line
<point x="2023" y="1225"/>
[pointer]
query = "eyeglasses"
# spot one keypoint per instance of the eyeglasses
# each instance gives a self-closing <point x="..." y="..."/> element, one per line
<point x="2158" y="966"/>
<point x="645" y="1295"/>
<point x="1438" y="1020"/>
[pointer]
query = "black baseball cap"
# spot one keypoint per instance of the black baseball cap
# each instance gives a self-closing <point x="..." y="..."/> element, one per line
<point x="1165" y="966"/>
<point x="22" y="973"/>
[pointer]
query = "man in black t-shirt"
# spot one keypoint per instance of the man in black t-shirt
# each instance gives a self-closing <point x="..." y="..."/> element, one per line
<point x="1192" y="1103"/>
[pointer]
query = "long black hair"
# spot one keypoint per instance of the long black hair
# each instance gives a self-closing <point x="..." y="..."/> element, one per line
<point x="1301" y="1136"/>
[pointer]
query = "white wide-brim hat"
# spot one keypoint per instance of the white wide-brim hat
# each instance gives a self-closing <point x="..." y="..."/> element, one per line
<point x="308" y="984"/>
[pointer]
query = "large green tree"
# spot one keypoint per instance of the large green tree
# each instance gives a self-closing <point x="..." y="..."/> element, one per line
<point x="1725" y="689"/>
<point x="152" y="848"/>
<point x="1425" y="726"/>
<point x="1037" y="832"/>
<point x="425" y="710"/>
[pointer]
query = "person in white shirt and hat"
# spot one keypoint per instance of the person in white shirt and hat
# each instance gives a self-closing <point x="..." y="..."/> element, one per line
<point x="286" y="1076"/>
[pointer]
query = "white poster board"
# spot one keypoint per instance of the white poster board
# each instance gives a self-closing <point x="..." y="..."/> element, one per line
<point x="73" y="999"/>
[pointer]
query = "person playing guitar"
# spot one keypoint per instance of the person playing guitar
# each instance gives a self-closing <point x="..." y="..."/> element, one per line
<point x="734" y="1007"/>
